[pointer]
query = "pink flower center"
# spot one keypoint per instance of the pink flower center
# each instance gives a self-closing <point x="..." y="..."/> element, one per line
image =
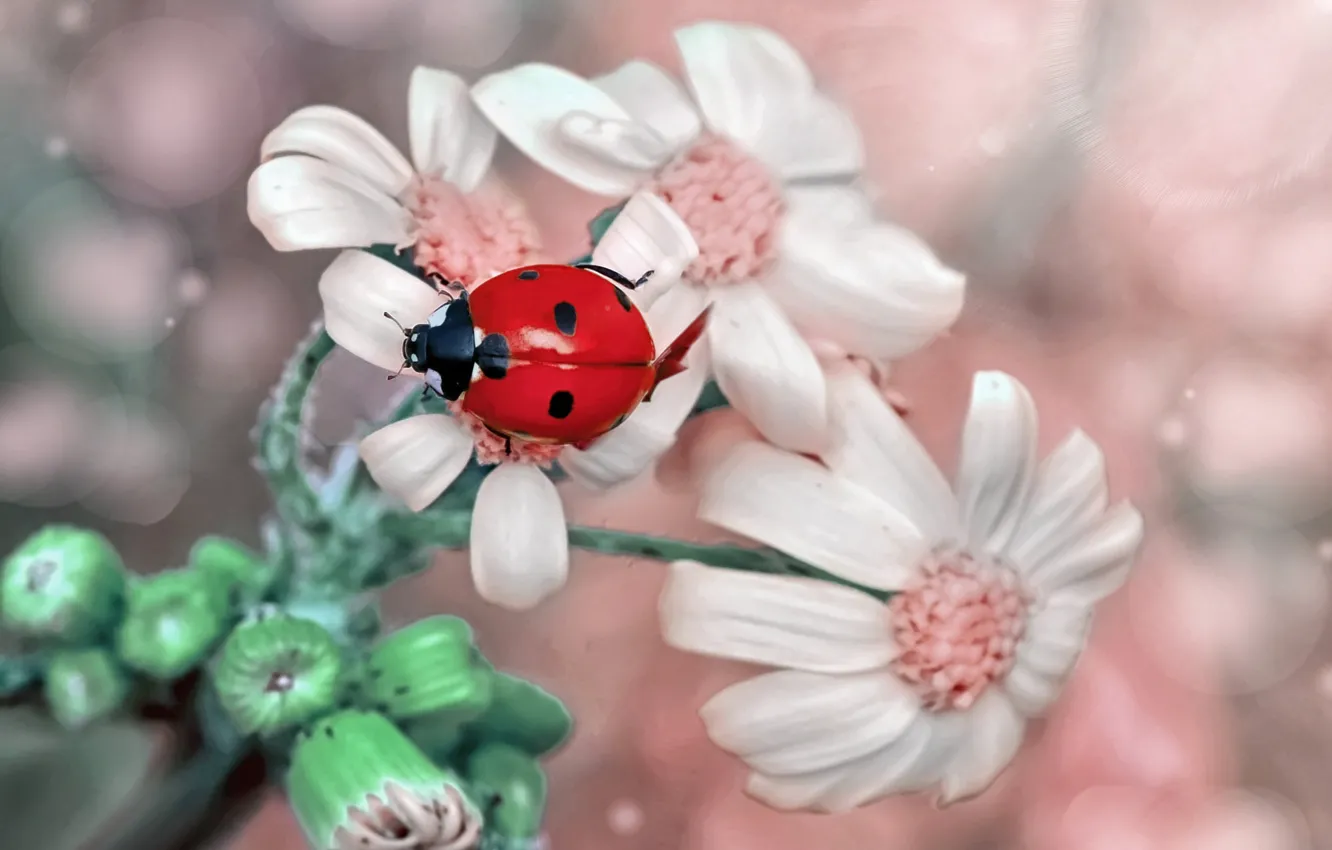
<point x="956" y="627"/>
<point x="470" y="237"/>
<point x="731" y="203"/>
<point x="490" y="447"/>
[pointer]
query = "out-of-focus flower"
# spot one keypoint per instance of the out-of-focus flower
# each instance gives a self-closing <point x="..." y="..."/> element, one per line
<point x="171" y="622"/>
<point x="759" y="164"/>
<point x="142" y="467"/>
<point x="995" y="590"/>
<point x="64" y="583"/>
<point x="330" y="180"/>
<point x="519" y="546"/>
<point x="357" y="783"/>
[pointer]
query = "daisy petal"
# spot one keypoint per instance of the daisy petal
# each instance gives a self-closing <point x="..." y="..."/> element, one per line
<point x="799" y="623"/>
<point x="416" y="459"/>
<point x="871" y="446"/>
<point x="793" y="722"/>
<point x="1095" y="566"/>
<point x="882" y="293"/>
<point x="654" y="100"/>
<point x="527" y="103"/>
<point x="646" y="236"/>
<point x="766" y="369"/>
<point x="300" y="203"/>
<point x="754" y="88"/>
<point x="357" y="290"/>
<point x="520" y="543"/>
<point x="342" y="139"/>
<point x="993" y="737"/>
<point x="1053" y="642"/>
<point x="1069" y="497"/>
<point x="796" y="505"/>
<point x="448" y="136"/>
<point x="998" y="460"/>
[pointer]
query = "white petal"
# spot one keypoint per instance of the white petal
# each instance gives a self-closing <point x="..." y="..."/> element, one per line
<point x="870" y="445"/>
<point x="416" y="459"/>
<point x="793" y="504"/>
<point x="448" y="136"/>
<point x="799" y="623"/>
<point x="996" y="730"/>
<point x="520" y="543"/>
<point x="625" y="143"/>
<point x="754" y="88"/>
<point x="1068" y="500"/>
<point x="766" y="369"/>
<point x="654" y="100"/>
<point x="998" y="461"/>
<point x="344" y="140"/>
<point x="792" y="722"/>
<point x="1054" y="640"/>
<point x="357" y="290"/>
<point x="300" y="203"/>
<point x="874" y="288"/>
<point x="1094" y="566"/>
<point x="527" y="103"/>
<point x="646" y="236"/>
<point x="912" y="762"/>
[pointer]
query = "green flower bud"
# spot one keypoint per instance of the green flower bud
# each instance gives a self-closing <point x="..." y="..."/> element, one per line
<point x="524" y="715"/>
<point x="357" y="783"/>
<point x="64" y="583"/>
<point x="277" y="671"/>
<point x="241" y="575"/>
<point x="428" y="668"/>
<point x="515" y="786"/>
<point x="84" y="685"/>
<point x="174" y="619"/>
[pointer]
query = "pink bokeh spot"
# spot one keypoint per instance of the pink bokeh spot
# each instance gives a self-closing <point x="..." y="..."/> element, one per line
<point x="732" y="205"/>
<point x="470" y="237"/>
<point x="490" y="447"/>
<point x="956" y="627"/>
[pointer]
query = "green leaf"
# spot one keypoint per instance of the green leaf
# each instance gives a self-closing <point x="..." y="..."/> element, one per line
<point x="524" y="715"/>
<point x="60" y="791"/>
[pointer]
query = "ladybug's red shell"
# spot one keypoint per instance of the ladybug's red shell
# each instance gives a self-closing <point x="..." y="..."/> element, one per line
<point x="580" y="354"/>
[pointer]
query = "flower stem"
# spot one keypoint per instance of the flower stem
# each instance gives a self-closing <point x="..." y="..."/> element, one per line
<point x="280" y="436"/>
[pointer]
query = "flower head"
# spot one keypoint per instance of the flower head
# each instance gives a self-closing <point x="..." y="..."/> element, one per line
<point x="83" y="685"/>
<point x="241" y="575"/>
<point x="65" y="583"/>
<point x="172" y="621"/>
<point x="357" y="783"/>
<point x="995" y="582"/>
<point x="519" y="545"/>
<point x="277" y="671"/>
<point x="516" y="784"/>
<point x="330" y="180"/>
<point x="428" y="668"/>
<point x="760" y="165"/>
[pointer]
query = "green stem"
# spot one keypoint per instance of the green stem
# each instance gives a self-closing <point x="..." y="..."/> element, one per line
<point x="280" y="437"/>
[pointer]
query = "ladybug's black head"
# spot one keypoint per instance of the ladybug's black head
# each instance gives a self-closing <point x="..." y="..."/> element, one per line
<point x="414" y="348"/>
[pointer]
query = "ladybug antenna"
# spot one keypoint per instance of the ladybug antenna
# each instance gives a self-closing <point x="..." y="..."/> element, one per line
<point x="405" y="332"/>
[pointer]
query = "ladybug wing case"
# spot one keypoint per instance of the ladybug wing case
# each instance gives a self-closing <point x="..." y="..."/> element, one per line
<point x="558" y="403"/>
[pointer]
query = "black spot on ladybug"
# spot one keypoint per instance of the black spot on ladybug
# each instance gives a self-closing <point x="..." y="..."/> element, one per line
<point x="561" y="404"/>
<point x="566" y="318"/>
<point x="623" y="298"/>
<point x="529" y="274"/>
<point x="492" y="355"/>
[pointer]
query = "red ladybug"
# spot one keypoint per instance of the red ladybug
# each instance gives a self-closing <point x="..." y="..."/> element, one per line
<point x="551" y="354"/>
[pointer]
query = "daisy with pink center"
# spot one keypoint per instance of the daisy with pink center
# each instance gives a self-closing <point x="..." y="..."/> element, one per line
<point x="519" y="542"/>
<point x="761" y="166"/>
<point x="330" y="180"/>
<point x="994" y="583"/>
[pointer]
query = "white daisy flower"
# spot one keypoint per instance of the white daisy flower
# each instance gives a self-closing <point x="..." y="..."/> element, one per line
<point x="519" y="542"/>
<point x="330" y="180"/>
<point x="785" y="260"/>
<point x="995" y="579"/>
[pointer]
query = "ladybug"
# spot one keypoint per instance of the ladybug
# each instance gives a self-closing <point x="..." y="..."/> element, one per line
<point x="551" y="354"/>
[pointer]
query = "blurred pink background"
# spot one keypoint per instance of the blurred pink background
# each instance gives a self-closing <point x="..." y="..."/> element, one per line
<point x="1137" y="190"/>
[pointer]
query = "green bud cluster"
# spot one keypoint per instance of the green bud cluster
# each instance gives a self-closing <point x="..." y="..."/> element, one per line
<point x="84" y="685"/>
<point x="63" y="584"/>
<point x="428" y="669"/>
<point x="172" y="621"/>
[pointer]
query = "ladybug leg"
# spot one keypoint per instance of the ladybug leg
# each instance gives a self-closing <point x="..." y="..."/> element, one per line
<point x="508" y="446"/>
<point x="643" y="279"/>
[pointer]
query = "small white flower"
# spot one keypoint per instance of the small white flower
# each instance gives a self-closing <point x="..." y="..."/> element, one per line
<point x="519" y="543"/>
<point x="996" y="579"/>
<point x="759" y="164"/>
<point x="330" y="180"/>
